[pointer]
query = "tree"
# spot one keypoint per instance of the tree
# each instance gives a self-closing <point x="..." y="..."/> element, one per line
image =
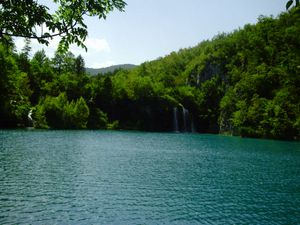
<point x="23" y="59"/>
<point x="79" y="65"/>
<point x="58" y="112"/>
<point x="21" y="18"/>
<point x="41" y="74"/>
<point x="64" y="62"/>
<point x="14" y="91"/>
<point x="81" y="114"/>
<point x="40" y="57"/>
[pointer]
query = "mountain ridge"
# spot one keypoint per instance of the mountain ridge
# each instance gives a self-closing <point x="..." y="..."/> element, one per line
<point x="96" y="71"/>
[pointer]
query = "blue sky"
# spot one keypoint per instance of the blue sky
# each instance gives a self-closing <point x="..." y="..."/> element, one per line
<point x="149" y="29"/>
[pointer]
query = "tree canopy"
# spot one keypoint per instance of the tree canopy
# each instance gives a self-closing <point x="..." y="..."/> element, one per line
<point x="30" y="19"/>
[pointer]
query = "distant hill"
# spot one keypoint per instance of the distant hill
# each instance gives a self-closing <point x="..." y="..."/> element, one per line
<point x="94" y="71"/>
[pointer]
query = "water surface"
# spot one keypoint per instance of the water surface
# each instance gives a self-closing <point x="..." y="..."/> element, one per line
<point x="109" y="177"/>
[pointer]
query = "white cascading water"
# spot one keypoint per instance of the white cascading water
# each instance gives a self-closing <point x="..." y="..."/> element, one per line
<point x="186" y="124"/>
<point x="185" y="115"/>
<point x="175" y="120"/>
<point x="29" y="117"/>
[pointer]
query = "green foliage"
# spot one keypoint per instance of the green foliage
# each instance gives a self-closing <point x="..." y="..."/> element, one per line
<point x="243" y="83"/>
<point x="80" y="113"/>
<point x="79" y="65"/>
<point x="39" y="116"/>
<point x="113" y="126"/>
<point x="98" y="119"/>
<point x="58" y="112"/>
<point x="290" y="3"/>
<point x="14" y="91"/>
<point x="21" y="18"/>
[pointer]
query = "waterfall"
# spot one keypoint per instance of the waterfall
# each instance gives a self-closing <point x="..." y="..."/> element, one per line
<point x="175" y="120"/>
<point x="185" y="114"/>
<point x="185" y="121"/>
<point x="29" y="117"/>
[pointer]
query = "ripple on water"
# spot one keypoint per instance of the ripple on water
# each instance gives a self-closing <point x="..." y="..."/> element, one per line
<point x="92" y="177"/>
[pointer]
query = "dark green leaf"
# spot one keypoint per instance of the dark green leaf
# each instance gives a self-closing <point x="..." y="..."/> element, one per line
<point x="288" y="4"/>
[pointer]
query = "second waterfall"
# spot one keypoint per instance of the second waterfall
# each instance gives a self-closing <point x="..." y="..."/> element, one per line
<point x="182" y="120"/>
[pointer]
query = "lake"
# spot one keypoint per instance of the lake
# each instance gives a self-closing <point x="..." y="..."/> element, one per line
<point x="120" y="177"/>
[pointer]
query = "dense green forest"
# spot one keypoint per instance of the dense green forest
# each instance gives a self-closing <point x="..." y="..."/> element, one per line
<point x="243" y="83"/>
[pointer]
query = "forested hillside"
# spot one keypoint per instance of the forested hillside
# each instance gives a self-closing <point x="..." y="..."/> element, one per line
<point x="243" y="83"/>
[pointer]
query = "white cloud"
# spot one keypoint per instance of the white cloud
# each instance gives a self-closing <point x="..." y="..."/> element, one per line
<point x="98" y="53"/>
<point x="94" y="45"/>
<point x="98" y="45"/>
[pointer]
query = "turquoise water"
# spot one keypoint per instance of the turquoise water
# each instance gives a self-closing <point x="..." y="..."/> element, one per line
<point x="103" y="177"/>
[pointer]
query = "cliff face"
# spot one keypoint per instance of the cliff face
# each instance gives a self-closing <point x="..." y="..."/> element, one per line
<point x="248" y="80"/>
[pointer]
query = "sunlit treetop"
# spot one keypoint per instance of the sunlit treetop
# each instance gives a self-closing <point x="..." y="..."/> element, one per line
<point x="30" y="19"/>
